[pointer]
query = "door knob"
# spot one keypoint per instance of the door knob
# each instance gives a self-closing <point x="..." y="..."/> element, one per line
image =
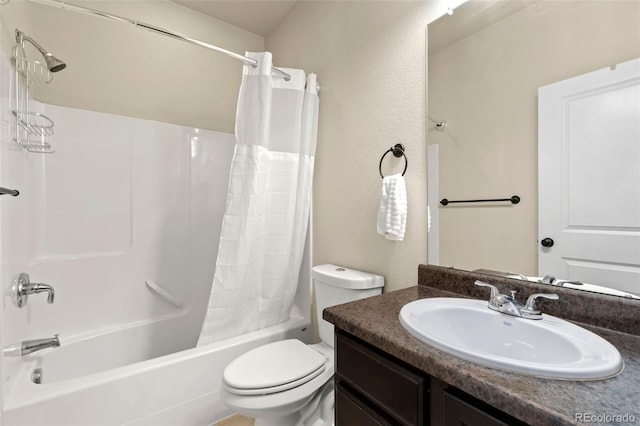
<point x="547" y="242"/>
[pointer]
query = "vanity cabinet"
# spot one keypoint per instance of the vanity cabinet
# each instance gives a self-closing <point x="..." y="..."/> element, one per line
<point x="374" y="388"/>
<point x="369" y="383"/>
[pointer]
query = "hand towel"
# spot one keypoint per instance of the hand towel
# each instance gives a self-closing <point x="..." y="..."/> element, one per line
<point x="392" y="213"/>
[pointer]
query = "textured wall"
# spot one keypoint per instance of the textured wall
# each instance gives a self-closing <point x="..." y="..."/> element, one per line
<point x="370" y="59"/>
<point x="120" y="69"/>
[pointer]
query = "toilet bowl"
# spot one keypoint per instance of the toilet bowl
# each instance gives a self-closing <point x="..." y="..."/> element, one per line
<point x="290" y="383"/>
<point x="284" y="400"/>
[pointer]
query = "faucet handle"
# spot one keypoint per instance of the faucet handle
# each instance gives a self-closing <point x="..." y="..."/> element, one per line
<point x="494" y="290"/>
<point x="24" y="287"/>
<point x="531" y="301"/>
<point x="548" y="279"/>
<point x="561" y="283"/>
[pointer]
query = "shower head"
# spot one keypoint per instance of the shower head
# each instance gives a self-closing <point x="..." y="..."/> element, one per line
<point x="53" y="64"/>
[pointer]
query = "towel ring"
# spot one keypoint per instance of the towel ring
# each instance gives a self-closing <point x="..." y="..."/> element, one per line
<point x="398" y="151"/>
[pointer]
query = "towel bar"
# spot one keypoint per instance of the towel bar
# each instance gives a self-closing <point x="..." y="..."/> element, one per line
<point x="8" y="191"/>
<point x="514" y="200"/>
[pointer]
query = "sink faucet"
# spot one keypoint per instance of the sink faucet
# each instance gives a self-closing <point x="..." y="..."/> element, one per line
<point x="30" y="346"/>
<point x="510" y="306"/>
<point x="550" y="279"/>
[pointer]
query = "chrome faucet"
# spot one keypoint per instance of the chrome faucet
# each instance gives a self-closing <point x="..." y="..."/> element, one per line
<point x="550" y="279"/>
<point x="30" y="346"/>
<point x="510" y="306"/>
<point x="25" y="287"/>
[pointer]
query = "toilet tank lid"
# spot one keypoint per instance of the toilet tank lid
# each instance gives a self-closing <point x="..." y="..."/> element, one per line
<point x="339" y="276"/>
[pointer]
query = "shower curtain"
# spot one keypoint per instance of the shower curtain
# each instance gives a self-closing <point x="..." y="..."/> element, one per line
<point x="267" y="213"/>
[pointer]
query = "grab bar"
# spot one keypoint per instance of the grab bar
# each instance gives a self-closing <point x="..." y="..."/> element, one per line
<point x="163" y="293"/>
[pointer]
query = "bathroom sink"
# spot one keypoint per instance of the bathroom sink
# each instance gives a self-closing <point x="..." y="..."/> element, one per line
<point x="550" y="347"/>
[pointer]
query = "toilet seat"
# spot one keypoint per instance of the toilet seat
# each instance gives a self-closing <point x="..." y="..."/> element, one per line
<point x="272" y="368"/>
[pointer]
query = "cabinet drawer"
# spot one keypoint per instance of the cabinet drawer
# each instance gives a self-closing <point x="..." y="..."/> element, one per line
<point x="396" y="390"/>
<point x="351" y="412"/>
<point x="459" y="413"/>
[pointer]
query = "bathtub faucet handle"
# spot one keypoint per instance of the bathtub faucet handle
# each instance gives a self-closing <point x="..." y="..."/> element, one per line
<point x="25" y="287"/>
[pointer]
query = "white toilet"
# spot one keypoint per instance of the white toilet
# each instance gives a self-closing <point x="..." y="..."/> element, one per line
<point x="290" y="383"/>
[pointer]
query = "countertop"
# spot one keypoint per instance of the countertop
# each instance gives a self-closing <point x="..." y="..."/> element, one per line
<point x="533" y="400"/>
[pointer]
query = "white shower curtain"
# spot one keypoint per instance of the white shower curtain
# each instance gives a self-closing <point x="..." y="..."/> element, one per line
<point x="267" y="213"/>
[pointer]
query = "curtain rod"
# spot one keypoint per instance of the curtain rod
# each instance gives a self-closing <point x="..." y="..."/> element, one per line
<point x="84" y="10"/>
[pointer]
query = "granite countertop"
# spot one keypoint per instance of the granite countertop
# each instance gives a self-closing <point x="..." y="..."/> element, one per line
<point x="532" y="400"/>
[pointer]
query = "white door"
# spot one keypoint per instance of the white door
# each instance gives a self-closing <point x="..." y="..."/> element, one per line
<point x="589" y="178"/>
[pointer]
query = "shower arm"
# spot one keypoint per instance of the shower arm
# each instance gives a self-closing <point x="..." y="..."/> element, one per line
<point x="157" y="30"/>
<point x="53" y="64"/>
<point x="21" y="37"/>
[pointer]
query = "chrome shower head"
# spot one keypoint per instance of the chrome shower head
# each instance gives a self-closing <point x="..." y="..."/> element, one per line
<point x="53" y="64"/>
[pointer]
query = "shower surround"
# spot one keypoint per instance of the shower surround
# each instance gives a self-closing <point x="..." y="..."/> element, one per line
<point x="123" y="206"/>
<point x="120" y="203"/>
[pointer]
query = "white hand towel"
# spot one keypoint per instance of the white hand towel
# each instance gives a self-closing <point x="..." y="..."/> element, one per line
<point x="392" y="213"/>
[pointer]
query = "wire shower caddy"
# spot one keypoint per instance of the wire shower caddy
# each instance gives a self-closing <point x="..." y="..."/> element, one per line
<point x="32" y="129"/>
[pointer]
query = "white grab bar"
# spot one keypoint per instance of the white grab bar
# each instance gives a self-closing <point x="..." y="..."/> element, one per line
<point x="163" y="293"/>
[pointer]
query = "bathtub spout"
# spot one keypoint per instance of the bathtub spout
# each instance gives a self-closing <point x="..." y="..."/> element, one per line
<point x="30" y="346"/>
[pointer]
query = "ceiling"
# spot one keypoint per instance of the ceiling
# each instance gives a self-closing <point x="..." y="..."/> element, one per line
<point x="470" y="17"/>
<point x="256" y="16"/>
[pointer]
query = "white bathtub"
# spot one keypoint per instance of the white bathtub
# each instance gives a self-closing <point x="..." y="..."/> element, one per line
<point x="109" y="379"/>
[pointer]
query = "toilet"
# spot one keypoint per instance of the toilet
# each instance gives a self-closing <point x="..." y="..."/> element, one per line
<point x="290" y="383"/>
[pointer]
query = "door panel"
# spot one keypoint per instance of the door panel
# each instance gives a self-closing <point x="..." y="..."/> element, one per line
<point x="589" y="177"/>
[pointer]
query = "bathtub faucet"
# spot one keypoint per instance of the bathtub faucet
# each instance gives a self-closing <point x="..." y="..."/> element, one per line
<point x="30" y="346"/>
<point x="25" y="287"/>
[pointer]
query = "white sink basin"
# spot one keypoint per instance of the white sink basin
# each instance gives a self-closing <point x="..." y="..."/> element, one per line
<point x="550" y="347"/>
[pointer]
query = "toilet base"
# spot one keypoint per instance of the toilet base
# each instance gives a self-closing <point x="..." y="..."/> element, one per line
<point x="317" y="412"/>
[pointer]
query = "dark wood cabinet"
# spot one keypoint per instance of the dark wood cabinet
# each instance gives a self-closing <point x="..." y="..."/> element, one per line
<point x="396" y="391"/>
<point x="374" y="388"/>
<point x="350" y="410"/>
<point x="458" y="412"/>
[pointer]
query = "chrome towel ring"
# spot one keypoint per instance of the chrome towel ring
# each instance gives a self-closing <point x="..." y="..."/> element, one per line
<point x="398" y="151"/>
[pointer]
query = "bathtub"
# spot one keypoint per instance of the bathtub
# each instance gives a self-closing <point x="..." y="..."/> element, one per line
<point x="120" y="378"/>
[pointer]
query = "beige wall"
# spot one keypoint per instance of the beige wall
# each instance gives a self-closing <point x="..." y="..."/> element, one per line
<point x="370" y="59"/>
<point x="14" y="15"/>
<point x="485" y="86"/>
<point x="118" y="68"/>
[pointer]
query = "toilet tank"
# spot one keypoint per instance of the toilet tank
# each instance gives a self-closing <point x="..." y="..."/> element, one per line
<point x="335" y="285"/>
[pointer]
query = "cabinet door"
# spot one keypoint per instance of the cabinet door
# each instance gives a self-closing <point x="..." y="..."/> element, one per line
<point x="352" y="412"/>
<point x="459" y="413"/>
<point x="397" y="391"/>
